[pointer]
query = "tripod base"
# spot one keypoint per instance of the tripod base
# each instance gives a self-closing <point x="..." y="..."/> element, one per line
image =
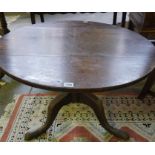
<point x="86" y="98"/>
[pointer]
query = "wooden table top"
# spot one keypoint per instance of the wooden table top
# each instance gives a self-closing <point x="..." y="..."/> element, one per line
<point x="76" y="55"/>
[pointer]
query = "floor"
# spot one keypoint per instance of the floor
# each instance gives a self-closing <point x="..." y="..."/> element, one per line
<point x="10" y="87"/>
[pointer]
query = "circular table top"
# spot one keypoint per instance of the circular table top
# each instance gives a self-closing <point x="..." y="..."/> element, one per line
<point x="76" y="55"/>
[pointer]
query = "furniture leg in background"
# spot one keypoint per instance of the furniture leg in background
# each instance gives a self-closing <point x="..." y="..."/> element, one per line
<point x="32" y="15"/>
<point x="1" y="74"/>
<point x="148" y="85"/>
<point x="123" y="18"/>
<point x="114" y="18"/>
<point x="3" y="23"/>
<point x="41" y="14"/>
<point x="4" y="30"/>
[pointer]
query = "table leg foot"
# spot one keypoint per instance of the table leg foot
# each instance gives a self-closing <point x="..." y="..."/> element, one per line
<point x="96" y="104"/>
<point x="53" y="110"/>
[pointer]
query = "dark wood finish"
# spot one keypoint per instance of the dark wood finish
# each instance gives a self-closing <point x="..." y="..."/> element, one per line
<point x="114" y="18"/>
<point x="42" y="18"/>
<point x="53" y="110"/>
<point x="97" y="105"/>
<point x="76" y="57"/>
<point x="3" y="23"/>
<point x="1" y="74"/>
<point x="92" y="56"/>
<point x="41" y="14"/>
<point x="33" y="14"/>
<point x="66" y="98"/>
<point x="148" y="85"/>
<point x="123" y="18"/>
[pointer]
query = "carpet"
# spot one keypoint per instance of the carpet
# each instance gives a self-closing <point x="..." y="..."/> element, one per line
<point x="76" y="121"/>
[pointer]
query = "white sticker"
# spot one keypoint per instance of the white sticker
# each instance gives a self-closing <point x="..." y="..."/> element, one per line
<point x="68" y="84"/>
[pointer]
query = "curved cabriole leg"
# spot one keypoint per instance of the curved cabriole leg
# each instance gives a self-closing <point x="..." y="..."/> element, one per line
<point x="53" y="110"/>
<point x="66" y="98"/>
<point x="96" y="104"/>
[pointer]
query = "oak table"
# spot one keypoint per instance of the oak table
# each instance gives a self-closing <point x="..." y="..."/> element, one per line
<point x="78" y="59"/>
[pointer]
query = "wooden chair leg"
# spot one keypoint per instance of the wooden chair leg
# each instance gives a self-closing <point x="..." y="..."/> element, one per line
<point x="5" y="29"/>
<point x="148" y="85"/>
<point x="114" y="18"/>
<point x="32" y="15"/>
<point x="42" y="18"/>
<point x="123" y="19"/>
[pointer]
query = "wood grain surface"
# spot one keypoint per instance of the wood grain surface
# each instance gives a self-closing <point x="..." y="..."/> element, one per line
<point x="76" y="55"/>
